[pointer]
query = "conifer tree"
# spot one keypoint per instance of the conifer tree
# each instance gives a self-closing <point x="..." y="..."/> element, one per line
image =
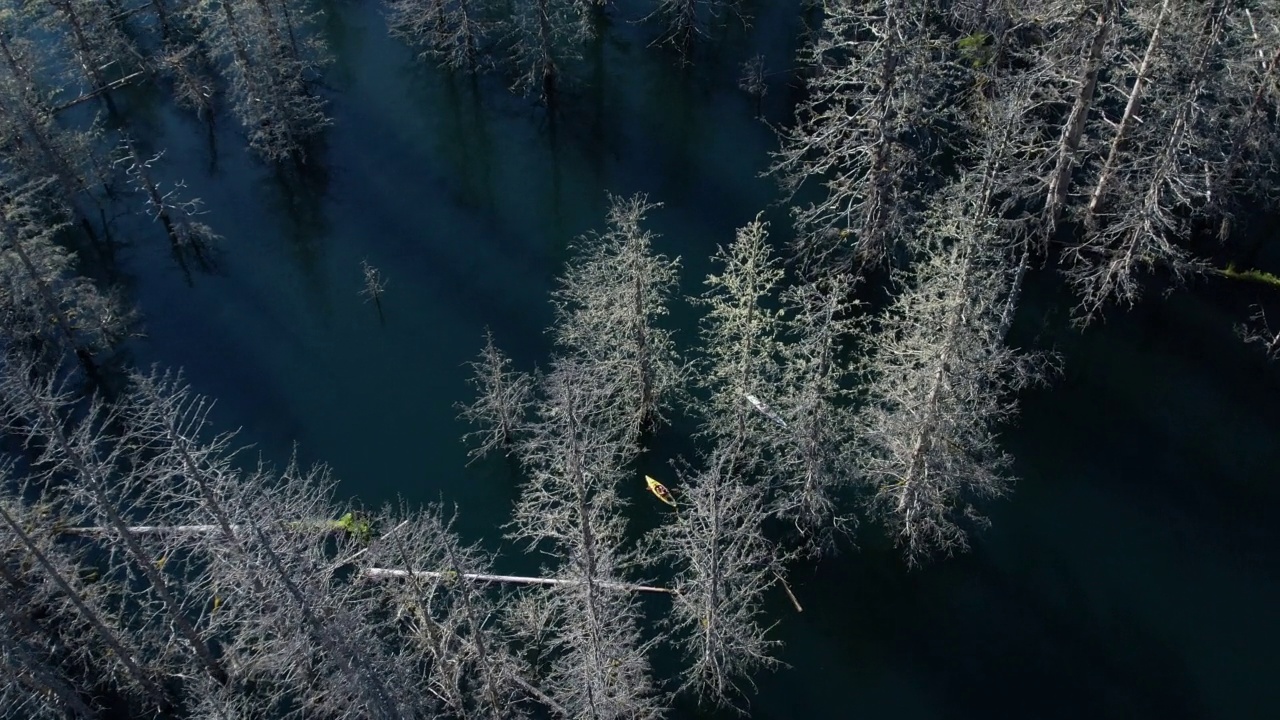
<point x="609" y="303"/>
<point x="938" y="380"/>
<point x="724" y="564"/>
<point x="574" y="452"/>
<point x="740" y="334"/>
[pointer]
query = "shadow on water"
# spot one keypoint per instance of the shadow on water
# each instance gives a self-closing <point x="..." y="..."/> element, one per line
<point x="297" y="195"/>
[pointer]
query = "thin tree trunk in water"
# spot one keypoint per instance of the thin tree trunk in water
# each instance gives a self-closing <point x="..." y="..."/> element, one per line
<point x="153" y="193"/>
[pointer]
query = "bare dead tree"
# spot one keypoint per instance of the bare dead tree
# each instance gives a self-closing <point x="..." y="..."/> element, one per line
<point x="1260" y="332"/>
<point x="289" y="622"/>
<point x="374" y="286"/>
<point x="740" y="336"/>
<point x="450" y="32"/>
<point x="861" y="133"/>
<point x="470" y="663"/>
<point x="610" y="300"/>
<point x="1155" y="164"/>
<point x="724" y="565"/>
<point x="753" y="81"/>
<point x="74" y="456"/>
<point x="176" y="214"/>
<point x="103" y="55"/>
<point x="37" y="574"/>
<point x="683" y="21"/>
<point x="355" y="671"/>
<point x="1247" y="94"/>
<point x="42" y="300"/>
<point x="502" y="397"/>
<point x="37" y="148"/>
<point x="810" y="454"/>
<point x="938" y="379"/>
<point x="268" y="67"/>
<point x="1085" y="45"/>
<point x="573" y="453"/>
<point x="32" y="687"/>
<point x="189" y="67"/>
<point x="543" y="36"/>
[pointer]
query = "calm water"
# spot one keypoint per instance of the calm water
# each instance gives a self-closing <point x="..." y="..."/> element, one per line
<point x="1133" y="573"/>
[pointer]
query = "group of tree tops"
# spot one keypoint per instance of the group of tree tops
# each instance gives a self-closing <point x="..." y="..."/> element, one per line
<point x="259" y="58"/>
<point x="1106" y="139"/>
<point x="61" y="165"/>
<point x="145" y="568"/>
<point x="535" y="42"/>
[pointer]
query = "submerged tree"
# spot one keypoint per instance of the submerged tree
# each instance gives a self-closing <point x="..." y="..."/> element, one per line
<point x="502" y="397"/>
<point x="939" y="378"/>
<point x="740" y="334"/>
<point x="724" y="564"/>
<point x="574" y="453"/>
<point x="608" y="305"/>
<point x="863" y="131"/>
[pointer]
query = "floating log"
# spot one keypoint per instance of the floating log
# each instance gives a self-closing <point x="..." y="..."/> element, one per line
<point x="379" y="573"/>
<point x="148" y="529"/>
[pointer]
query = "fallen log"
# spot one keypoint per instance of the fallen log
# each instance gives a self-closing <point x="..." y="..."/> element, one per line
<point x="380" y="573"/>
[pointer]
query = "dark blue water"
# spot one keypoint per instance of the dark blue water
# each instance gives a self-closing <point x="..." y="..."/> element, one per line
<point x="1132" y="573"/>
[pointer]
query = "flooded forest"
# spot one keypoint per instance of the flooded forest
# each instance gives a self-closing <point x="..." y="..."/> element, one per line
<point x="639" y="359"/>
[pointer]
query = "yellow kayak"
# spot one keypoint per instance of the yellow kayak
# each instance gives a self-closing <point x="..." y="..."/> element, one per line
<point x="660" y="491"/>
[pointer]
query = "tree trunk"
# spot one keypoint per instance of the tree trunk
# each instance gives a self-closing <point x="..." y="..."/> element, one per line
<point x="1122" y="129"/>
<point x="1073" y="130"/>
